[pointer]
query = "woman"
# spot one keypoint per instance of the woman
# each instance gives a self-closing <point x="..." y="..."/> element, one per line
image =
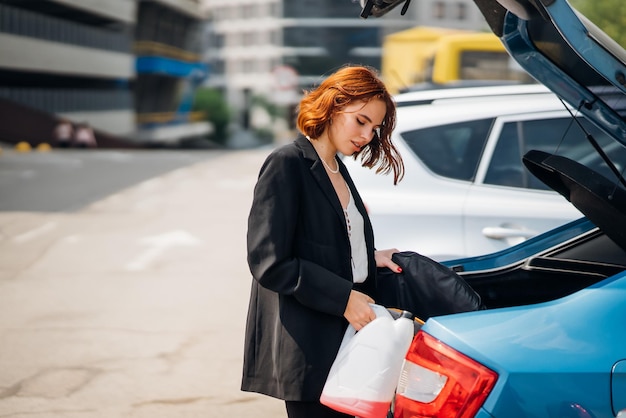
<point x="310" y="241"/>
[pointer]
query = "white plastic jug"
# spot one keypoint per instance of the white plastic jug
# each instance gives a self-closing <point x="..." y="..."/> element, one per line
<point x="364" y="376"/>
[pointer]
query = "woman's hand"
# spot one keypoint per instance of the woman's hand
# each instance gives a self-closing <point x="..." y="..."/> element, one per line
<point x="383" y="259"/>
<point x="358" y="311"/>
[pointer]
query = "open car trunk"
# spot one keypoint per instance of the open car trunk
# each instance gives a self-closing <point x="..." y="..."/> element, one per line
<point x="555" y="273"/>
<point x="575" y="264"/>
<point x="576" y="60"/>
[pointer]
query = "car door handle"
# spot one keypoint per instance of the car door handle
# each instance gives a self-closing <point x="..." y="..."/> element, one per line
<point x="500" y="232"/>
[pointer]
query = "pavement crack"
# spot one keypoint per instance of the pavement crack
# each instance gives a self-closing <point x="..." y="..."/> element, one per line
<point x="173" y="357"/>
<point x="47" y="413"/>
<point x="240" y="400"/>
<point x="10" y="391"/>
<point x="173" y="401"/>
<point x="52" y="383"/>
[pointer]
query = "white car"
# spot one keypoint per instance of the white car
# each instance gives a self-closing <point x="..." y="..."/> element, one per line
<point x="465" y="190"/>
<point x="428" y="96"/>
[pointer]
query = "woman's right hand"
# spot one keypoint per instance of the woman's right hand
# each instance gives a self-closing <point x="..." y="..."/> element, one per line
<point x="358" y="311"/>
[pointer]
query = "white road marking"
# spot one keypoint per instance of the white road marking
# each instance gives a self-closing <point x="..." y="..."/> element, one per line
<point x="72" y="239"/>
<point x="158" y="244"/>
<point x="34" y="233"/>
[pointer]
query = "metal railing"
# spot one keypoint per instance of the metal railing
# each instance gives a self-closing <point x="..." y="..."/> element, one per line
<point x="160" y="118"/>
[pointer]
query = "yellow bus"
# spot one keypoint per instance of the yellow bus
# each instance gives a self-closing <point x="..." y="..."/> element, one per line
<point x="440" y="56"/>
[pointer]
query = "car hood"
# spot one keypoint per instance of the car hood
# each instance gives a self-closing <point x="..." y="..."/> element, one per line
<point x="571" y="56"/>
<point x="576" y="60"/>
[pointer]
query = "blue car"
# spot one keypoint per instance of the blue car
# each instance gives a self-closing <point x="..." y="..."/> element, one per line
<point x="552" y="342"/>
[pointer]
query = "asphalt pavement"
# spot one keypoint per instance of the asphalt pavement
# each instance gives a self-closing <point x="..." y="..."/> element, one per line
<point x="133" y="304"/>
<point x="69" y="179"/>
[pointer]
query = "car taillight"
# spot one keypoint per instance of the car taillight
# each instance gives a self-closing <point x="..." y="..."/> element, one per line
<point x="438" y="381"/>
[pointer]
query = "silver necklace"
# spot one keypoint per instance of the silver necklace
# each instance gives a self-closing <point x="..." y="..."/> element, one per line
<point x="336" y="170"/>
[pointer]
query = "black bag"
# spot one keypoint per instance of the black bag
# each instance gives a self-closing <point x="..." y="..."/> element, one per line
<point x="425" y="288"/>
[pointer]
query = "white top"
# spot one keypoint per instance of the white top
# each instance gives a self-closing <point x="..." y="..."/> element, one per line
<point x="356" y="233"/>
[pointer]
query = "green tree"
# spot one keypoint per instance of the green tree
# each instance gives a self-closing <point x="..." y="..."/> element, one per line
<point x="212" y="103"/>
<point x="608" y="15"/>
<point x="265" y="133"/>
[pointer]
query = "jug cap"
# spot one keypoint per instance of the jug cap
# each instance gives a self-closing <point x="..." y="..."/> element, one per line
<point x="407" y="314"/>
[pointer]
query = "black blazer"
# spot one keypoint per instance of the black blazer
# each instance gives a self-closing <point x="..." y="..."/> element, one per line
<point x="300" y="259"/>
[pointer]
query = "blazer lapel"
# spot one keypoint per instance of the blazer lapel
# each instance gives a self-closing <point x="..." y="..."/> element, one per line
<point x="319" y="174"/>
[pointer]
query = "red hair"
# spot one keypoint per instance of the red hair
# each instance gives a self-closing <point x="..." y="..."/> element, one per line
<point x="349" y="84"/>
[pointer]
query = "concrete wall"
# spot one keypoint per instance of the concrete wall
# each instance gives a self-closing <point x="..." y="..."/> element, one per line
<point x="24" y="53"/>
<point x="119" y="122"/>
<point x="121" y="10"/>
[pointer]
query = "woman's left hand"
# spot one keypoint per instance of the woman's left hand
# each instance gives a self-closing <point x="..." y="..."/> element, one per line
<point x="383" y="259"/>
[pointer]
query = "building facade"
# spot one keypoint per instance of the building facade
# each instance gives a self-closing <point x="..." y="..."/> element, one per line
<point x="276" y="48"/>
<point x="452" y="14"/>
<point x="71" y="58"/>
<point x="113" y="64"/>
<point x="168" y="43"/>
<point x="129" y="68"/>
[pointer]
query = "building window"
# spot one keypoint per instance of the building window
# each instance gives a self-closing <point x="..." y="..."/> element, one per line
<point x="248" y="66"/>
<point x="275" y="10"/>
<point x="249" y="39"/>
<point x="461" y="11"/>
<point x="234" y="39"/>
<point x="276" y="37"/>
<point x="439" y="10"/>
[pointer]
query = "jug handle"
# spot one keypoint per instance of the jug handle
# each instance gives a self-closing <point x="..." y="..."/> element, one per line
<point x="379" y="310"/>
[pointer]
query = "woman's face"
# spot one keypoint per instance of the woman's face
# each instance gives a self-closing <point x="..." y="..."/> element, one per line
<point x="354" y="126"/>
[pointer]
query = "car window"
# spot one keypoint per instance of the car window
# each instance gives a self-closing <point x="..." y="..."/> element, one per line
<point x="451" y="150"/>
<point x="561" y="136"/>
